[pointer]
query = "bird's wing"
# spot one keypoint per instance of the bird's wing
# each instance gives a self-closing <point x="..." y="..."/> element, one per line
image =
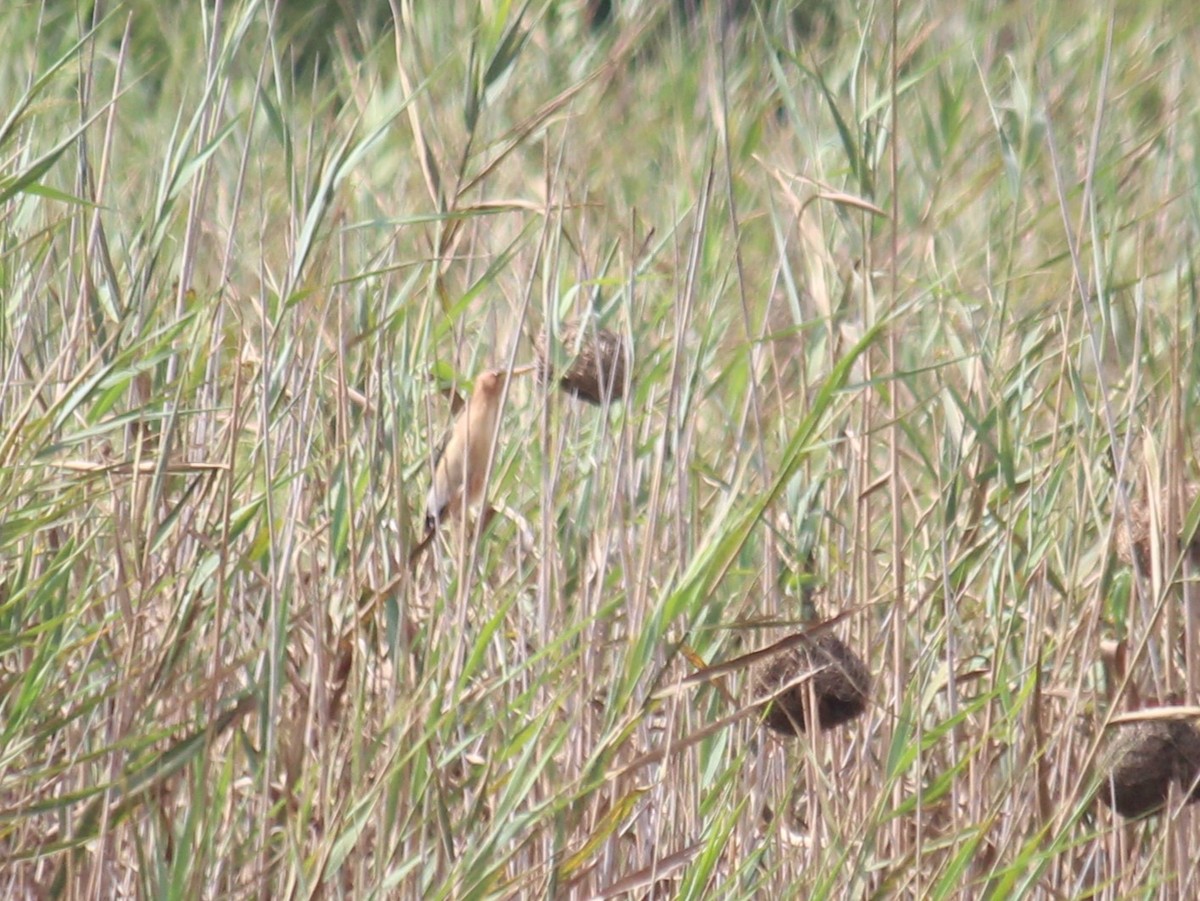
<point x="447" y="479"/>
<point x="441" y="448"/>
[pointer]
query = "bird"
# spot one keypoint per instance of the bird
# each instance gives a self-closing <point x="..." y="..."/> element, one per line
<point x="461" y="466"/>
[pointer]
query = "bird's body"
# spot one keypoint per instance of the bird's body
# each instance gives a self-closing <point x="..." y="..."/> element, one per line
<point x="461" y="467"/>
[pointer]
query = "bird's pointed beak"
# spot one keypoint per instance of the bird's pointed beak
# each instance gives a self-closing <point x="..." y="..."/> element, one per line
<point x="522" y="370"/>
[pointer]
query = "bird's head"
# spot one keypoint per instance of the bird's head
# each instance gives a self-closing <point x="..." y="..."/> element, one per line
<point x="490" y="382"/>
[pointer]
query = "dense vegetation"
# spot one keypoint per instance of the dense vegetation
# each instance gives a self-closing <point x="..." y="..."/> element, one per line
<point x="911" y="298"/>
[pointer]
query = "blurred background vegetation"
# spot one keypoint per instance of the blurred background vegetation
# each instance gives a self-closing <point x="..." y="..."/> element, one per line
<point x="911" y="298"/>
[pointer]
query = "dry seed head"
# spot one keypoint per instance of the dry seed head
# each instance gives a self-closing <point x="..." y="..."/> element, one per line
<point x="1135" y="541"/>
<point x="841" y="683"/>
<point x="598" y="360"/>
<point x="1141" y="761"/>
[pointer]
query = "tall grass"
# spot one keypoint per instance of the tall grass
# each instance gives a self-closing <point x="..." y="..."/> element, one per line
<point x="911" y="298"/>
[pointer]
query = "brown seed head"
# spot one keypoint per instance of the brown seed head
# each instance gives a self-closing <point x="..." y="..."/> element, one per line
<point x="840" y="681"/>
<point x="1142" y="759"/>
<point x="1135" y="542"/>
<point x="597" y="362"/>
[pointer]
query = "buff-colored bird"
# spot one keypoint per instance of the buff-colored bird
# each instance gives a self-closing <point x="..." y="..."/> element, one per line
<point x="462" y="466"/>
